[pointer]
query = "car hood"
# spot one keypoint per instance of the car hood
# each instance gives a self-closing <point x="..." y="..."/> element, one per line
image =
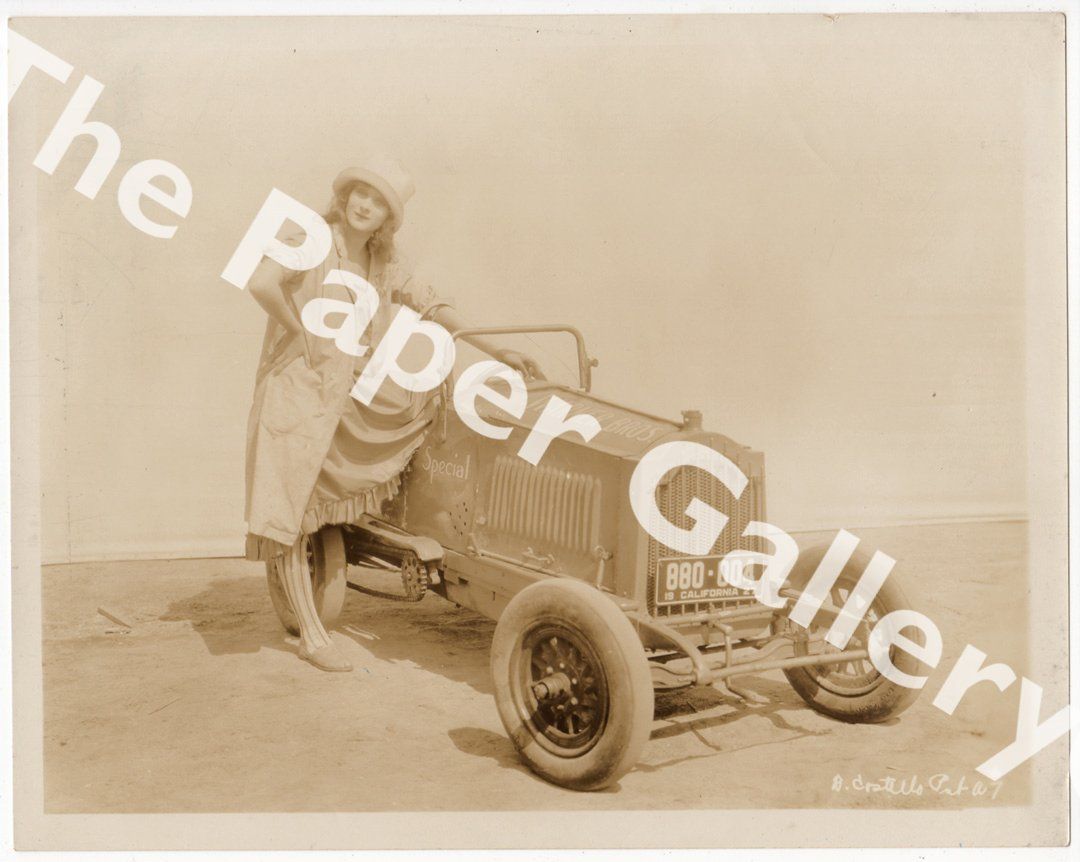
<point x="624" y="432"/>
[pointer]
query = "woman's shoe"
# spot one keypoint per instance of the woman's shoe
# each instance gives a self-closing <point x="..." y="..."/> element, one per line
<point x="327" y="657"/>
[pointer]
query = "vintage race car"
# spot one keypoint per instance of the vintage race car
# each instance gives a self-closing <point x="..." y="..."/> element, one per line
<point x="594" y="615"/>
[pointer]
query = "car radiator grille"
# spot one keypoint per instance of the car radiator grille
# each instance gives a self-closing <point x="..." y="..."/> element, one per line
<point x="672" y="499"/>
<point x="545" y="504"/>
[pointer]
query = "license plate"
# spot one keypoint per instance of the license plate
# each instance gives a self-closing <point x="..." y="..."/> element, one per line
<point x="693" y="579"/>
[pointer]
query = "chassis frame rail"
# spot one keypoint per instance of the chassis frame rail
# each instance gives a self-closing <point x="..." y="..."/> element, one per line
<point x="705" y="672"/>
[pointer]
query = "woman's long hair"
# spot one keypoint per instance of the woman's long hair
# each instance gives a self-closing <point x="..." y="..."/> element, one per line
<point x="381" y="242"/>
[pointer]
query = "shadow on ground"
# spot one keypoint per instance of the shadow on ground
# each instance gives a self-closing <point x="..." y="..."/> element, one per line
<point x="433" y="634"/>
<point x="232" y="615"/>
<point x="690" y="711"/>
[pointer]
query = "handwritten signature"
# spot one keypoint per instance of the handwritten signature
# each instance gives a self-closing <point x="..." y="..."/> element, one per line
<point x="940" y="783"/>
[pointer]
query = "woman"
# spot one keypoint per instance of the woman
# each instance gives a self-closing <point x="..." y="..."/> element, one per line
<point x="315" y="455"/>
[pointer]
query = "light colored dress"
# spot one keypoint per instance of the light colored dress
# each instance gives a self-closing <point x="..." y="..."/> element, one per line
<point x="315" y="455"/>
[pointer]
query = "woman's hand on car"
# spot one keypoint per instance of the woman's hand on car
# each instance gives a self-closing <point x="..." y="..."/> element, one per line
<point x="522" y="363"/>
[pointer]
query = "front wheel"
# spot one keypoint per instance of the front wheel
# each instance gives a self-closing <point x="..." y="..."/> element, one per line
<point x="572" y="684"/>
<point x="324" y="556"/>
<point x="853" y="691"/>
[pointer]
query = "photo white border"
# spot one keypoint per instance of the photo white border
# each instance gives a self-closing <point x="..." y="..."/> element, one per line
<point x="871" y="823"/>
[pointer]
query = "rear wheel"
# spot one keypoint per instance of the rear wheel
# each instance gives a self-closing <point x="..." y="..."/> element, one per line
<point x="324" y="555"/>
<point x="572" y="684"/>
<point x="853" y="691"/>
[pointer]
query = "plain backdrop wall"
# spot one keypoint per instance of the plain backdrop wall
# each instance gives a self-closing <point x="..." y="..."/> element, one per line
<point x="810" y="228"/>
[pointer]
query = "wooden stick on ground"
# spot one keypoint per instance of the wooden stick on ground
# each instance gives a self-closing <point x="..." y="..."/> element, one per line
<point x="114" y="618"/>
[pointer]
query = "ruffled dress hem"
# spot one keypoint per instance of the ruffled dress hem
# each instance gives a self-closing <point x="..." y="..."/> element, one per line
<point x="367" y="502"/>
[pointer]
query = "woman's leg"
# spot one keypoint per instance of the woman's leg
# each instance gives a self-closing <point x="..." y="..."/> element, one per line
<point x="315" y="644"/>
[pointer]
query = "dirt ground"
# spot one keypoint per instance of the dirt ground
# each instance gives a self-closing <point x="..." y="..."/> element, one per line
<point x="203" y="707"/>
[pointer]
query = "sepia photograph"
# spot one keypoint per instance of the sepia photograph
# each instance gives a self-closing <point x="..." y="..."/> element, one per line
<point x="437" y="431"/>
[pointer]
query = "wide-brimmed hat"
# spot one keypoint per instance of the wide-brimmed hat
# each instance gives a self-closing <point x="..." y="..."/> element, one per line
<point x="388" y="176"/>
